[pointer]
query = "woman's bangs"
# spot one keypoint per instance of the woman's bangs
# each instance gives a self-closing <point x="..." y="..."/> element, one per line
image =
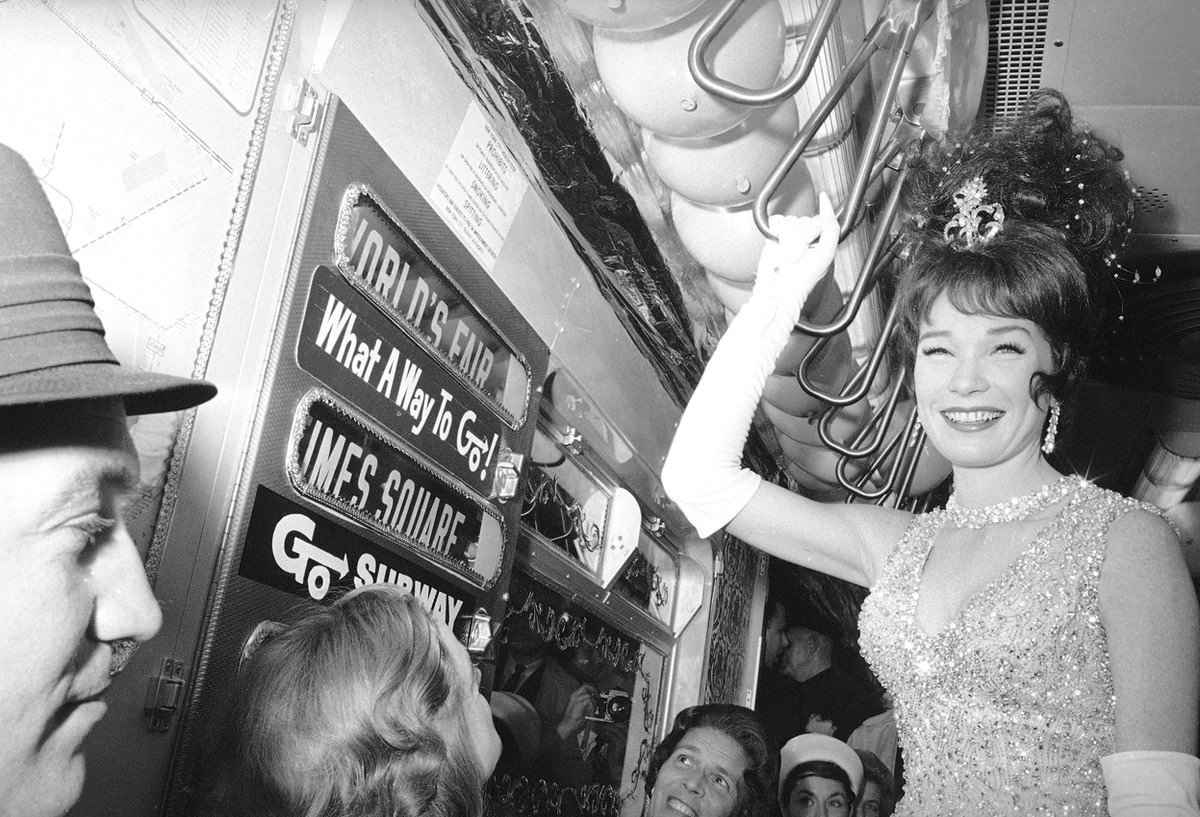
<point x="981" y="287"/>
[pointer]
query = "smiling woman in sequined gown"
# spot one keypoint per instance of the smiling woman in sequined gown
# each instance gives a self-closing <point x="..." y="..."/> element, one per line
<point x="1039" y="635"/>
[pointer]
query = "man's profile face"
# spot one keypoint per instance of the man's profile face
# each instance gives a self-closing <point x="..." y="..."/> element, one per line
<point x="774" y="639"/>
<point x="797" y="652"/>
<point x="75" y="585"/>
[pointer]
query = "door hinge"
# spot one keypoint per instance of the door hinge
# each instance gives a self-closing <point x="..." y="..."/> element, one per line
<point x="306" y="110"/>
<point x="164" y="695"/>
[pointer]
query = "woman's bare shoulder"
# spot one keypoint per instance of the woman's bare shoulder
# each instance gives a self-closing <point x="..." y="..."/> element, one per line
<point x="1143" y="551"/>
<point x="1142" y="527"/>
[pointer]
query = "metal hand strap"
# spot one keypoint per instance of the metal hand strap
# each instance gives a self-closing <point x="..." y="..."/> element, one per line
<point x="903" y="464"/>
<point x="879" y="255"/>
<point x="881" y="418"/>
<point x="899" y="21"/>
<point x="716" y="86"/>
<point x="857" y="386"/>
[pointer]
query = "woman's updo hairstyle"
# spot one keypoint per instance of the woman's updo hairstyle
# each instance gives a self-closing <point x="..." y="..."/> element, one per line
<point x="351" y="710"/>
<point x="1064" y="212"/>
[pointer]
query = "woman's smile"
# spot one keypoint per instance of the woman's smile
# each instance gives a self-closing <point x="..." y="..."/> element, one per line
<point x="976" y="418"/>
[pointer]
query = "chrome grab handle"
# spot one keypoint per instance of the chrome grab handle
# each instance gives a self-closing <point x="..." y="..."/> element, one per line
<point x="880" y="419"/>
<point x="885" y="29"/>
<point x="872" y="265"/>
<point x="716" y="86"/>
<point x="896" y="482"/>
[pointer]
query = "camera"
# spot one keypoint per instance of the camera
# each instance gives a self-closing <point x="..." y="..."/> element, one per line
<point x="612" y="706"/>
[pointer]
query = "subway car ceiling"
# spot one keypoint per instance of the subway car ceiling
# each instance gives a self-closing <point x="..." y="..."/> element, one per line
<point x="1133" y="84"/>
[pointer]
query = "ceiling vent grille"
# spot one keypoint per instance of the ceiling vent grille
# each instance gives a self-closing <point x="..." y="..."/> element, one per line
<point x="1152" y="202"/>
<point x="1016" y="45"/>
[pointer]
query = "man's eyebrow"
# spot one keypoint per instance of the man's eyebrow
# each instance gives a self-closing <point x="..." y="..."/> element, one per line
<point x="117" y="476"/>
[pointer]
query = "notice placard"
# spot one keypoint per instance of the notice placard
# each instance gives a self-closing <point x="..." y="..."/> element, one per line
<point x="479" y="188"/>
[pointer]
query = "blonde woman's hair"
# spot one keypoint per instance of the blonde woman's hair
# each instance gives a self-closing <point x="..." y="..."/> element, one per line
<point x="353" y="710"/>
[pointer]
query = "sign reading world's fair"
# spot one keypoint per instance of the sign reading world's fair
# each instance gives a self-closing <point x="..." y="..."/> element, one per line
<point x="389" y="266"/>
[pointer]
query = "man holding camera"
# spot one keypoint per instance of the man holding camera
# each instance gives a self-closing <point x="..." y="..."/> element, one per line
<point x="580" y="744"/>
<point x="595" y="724"/>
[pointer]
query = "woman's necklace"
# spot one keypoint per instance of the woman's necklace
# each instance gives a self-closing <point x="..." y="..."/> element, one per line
<point x="1019" y="507"/>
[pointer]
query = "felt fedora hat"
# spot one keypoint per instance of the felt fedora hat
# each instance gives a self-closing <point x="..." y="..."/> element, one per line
<point x="52" y="345"/>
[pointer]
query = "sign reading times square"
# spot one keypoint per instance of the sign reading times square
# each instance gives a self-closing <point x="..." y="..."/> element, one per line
<point x="344" y="461"/>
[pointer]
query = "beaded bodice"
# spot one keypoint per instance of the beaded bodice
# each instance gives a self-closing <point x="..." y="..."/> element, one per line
<point x="1009" y="707"/>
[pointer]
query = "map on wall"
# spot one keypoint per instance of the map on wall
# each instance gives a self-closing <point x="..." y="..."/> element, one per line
<point x="137" y="116"/>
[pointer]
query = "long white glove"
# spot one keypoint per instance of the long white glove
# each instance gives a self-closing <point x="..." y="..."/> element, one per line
<point x="1152" y="784"/>
<point x="702" y="473"/>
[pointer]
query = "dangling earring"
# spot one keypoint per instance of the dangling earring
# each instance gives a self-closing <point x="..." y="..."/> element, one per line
<point x="915" y="434"/>
<point x="1051" y="430"/>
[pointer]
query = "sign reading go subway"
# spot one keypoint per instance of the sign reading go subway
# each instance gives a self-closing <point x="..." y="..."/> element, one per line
<point x="291" y="548"/>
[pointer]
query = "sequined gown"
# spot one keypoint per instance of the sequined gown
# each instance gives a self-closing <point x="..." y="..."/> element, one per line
<point x="1008" y="708"/>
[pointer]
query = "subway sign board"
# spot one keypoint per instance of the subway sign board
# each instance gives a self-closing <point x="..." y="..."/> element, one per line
<point x="391" y="269"/>
<point x="347" y="344"/>
<point x="344" y="461"/>
<point x="291" y="548"/>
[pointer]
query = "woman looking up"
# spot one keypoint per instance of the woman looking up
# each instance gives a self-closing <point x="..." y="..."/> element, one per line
<point x="718" y="760"/>
<point x="1039" y="636"/>
<point x="365" y="708"/>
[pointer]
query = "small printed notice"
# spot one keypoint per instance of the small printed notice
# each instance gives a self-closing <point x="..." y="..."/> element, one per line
<point x="479" y="189"/>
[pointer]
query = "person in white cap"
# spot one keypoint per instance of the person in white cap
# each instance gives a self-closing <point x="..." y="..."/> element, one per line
<point x="75" y="581"/>
<point x="819" y="776"/>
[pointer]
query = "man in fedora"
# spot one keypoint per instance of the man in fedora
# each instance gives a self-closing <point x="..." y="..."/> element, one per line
<point x="74" y="581"/>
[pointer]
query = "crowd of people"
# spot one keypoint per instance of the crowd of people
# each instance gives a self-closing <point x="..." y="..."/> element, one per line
<point x="1038" y="637"/>
<point x="812" y="678"/>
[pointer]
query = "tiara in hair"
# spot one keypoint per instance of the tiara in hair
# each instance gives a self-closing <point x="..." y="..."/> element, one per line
<point x="976" y="221"/>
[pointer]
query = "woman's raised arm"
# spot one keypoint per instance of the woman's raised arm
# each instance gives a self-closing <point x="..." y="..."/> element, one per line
<point x="703" y="474"/>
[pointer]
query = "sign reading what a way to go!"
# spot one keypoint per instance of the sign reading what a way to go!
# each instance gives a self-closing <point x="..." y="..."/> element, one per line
<point x="349" y="346"/>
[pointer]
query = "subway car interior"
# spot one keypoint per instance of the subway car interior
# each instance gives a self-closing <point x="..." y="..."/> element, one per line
<point x="553" y="208"/>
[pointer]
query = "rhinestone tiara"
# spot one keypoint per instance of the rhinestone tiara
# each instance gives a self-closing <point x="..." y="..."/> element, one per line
<point x="976" y="220"/>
